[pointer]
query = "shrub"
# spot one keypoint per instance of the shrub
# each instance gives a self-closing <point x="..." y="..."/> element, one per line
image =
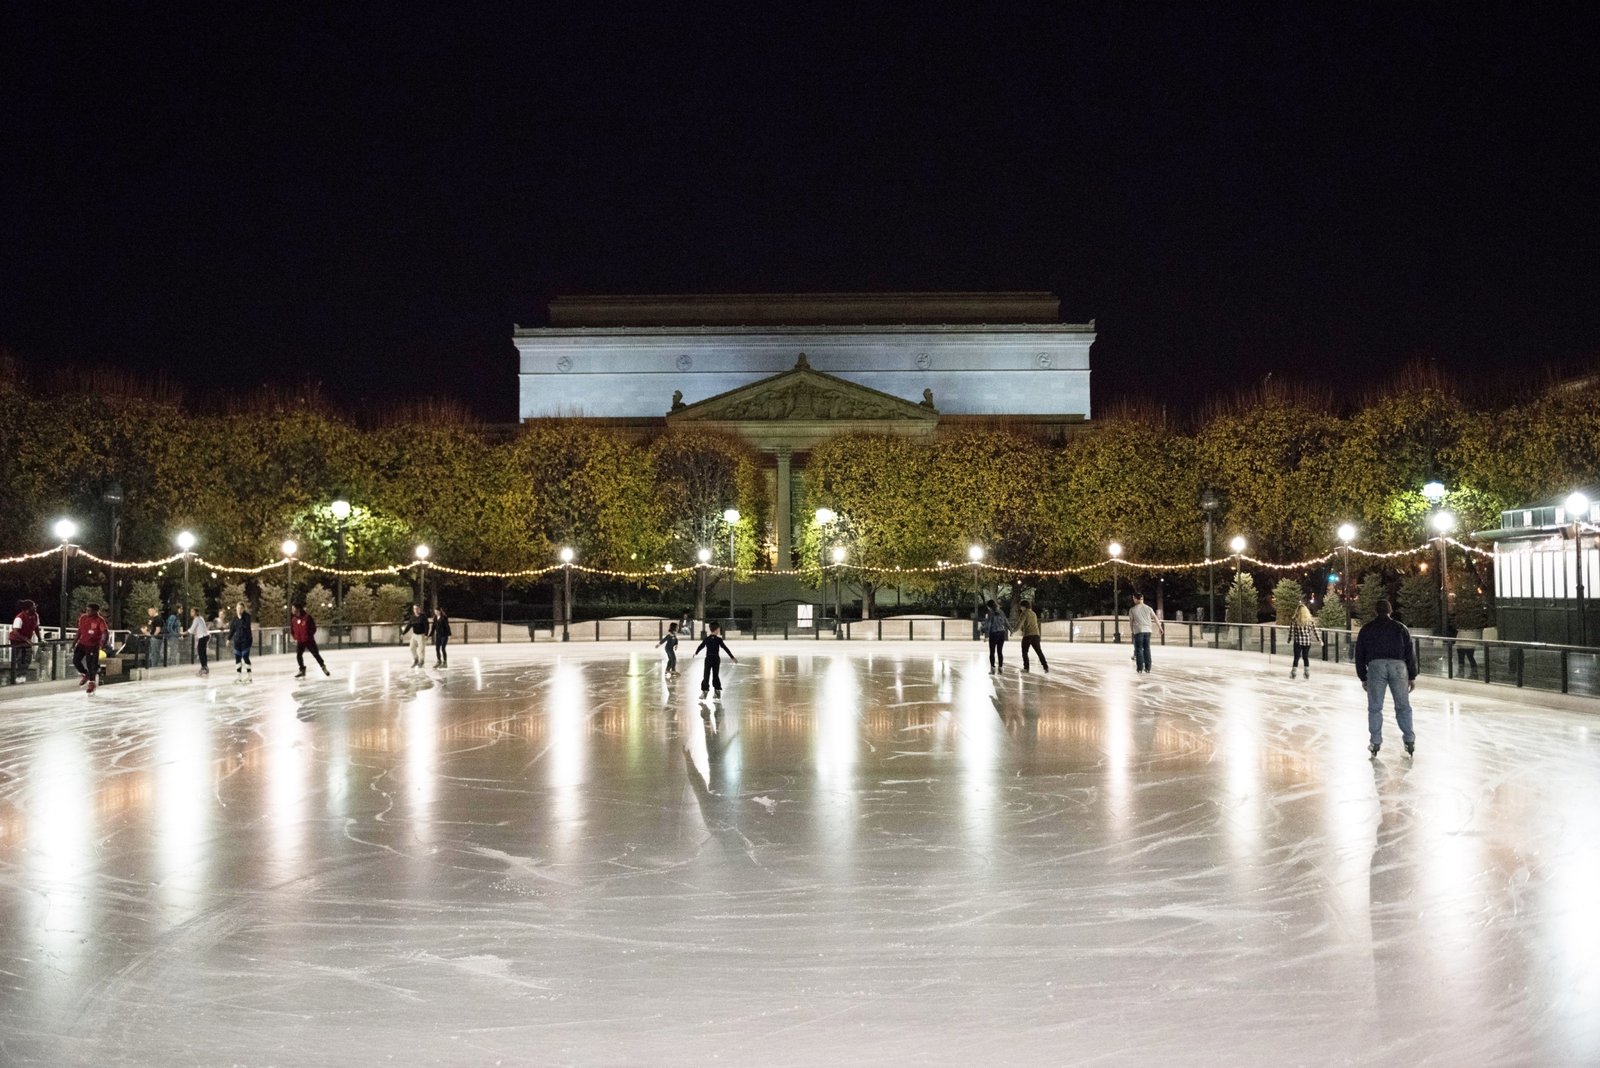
<point x="1244" y="604"/>
<point x="1373" y="589"/>
<point x="1419" y="600"/>
<point x="1286" y="598"/>
<point x="1333" y="615"/>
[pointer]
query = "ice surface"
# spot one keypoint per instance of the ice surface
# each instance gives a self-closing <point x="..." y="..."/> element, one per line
<point x="860" y="855"/>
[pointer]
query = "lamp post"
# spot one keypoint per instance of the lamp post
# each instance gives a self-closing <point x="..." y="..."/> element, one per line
<point x="1347" y="534"/>
<point x="975" y="554"/>
<point x="1115" y="549"/>
<point x="289" y="549"/>
<point x="825" y="518"/>
<point x="1443" y="523"/>
<point x="567" y="556"/>
<point x="838" y="588"/>
<point x="731" y="517"/>
<point x="66" y="530"/>
<point x="1578" y="510"/>
<point x="341" y="511"/>
<point x="186" y="542"/>
<point x="422" y="553"/>
<point x="1238" y="545"/>
<point x="1210" y="502"/>
<point x="113" y="497"/>
<point x="1435" y="492"/>
<point x="703" y="556"/>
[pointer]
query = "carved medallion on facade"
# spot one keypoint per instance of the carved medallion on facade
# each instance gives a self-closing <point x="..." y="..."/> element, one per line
<point x="685" y="362"/>
<point x="564" y="364"/>
<point x="1045" y="359"/>
<point x="924" y="361"/>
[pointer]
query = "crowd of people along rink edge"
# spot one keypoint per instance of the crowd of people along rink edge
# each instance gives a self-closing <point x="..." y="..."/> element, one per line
<point x="1385" y="657"/>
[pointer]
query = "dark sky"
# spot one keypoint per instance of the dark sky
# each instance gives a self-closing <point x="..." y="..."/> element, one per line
<point x="371" y="198"/>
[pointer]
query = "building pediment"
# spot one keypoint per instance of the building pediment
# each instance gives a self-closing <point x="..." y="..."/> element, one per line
<point x="804" y="395"/>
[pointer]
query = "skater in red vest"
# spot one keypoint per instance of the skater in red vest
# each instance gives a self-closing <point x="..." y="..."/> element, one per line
<point x="92" y="635"/>
<point x="304" y="630"/>
<point x="24" y="633"/>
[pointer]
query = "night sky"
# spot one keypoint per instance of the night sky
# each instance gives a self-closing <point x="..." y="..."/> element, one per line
<point x="369" y="199"/>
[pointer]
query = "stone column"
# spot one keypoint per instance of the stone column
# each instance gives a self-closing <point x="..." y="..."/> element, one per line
<point x="785" y="521"/>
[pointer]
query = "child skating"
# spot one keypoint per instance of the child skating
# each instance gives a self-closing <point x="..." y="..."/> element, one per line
<point x="714" y="646"/>
<point x="670" y="640"/>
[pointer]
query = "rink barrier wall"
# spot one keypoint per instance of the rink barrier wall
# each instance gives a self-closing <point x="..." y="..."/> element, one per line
<point x="1565" y="669"/>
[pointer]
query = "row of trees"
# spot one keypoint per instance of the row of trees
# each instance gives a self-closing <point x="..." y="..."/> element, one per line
<point x="1287" y="469"/>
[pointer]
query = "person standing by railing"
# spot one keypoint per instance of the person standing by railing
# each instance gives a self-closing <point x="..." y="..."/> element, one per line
<point x="1302" y="632"/>
<point x="1386" y="659"/>
<point x="24" y="634"/>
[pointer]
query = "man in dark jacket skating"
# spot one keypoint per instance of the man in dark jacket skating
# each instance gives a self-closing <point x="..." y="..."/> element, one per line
<point x="1387" y="660"/>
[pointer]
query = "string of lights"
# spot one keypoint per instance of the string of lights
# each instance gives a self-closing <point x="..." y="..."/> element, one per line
<point x="670" y="571"/>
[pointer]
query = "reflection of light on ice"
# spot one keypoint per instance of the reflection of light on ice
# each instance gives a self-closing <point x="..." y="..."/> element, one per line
<point x="567" y="756"/>
<point x="183" y="805"/>
<point x="977" y="742"/>
<point x="286" y="783"/>
<point x="1241" y="748"/>
<point x="421" y="722"/>
<point x="60" y="836"/>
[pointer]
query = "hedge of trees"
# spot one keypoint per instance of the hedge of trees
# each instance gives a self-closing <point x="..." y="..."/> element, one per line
<point x="1288" y="468"/>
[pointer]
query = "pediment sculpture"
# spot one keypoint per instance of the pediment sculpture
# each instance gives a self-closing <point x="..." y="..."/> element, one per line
<point x="806" y="399"/>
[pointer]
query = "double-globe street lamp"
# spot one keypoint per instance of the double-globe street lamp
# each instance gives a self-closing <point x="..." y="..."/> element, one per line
<point x="65" y="529"/>
<point x="704" y="565"/>
<point x="1442" y="522"/>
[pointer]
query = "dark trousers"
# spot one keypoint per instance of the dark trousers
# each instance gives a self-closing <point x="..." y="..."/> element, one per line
<point x="712" y="676"/>
<point x="21" y="657"/>
<point x="440" y="656"/>
<point x="1466" y="656"/>
<point x="1301" y="653"/>
<point x="241" y="654"/>
<point x="308" y="646"/>
<point x="1031" y="641"/>
<point x="672" y="659"/>
<point x="86" y="660"/>
<point x="1141" y="651"/>
<point x="202" y="653"/>
<point x="997" y="651"/>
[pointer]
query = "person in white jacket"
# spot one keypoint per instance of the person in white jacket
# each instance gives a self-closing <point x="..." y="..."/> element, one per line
<point x="201" y="633"/>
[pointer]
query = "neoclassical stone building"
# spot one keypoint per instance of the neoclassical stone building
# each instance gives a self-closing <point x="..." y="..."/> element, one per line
<point x="788" y="371"/>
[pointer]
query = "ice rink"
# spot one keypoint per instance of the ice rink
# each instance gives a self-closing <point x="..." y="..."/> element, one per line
<point x="863" y="854"/>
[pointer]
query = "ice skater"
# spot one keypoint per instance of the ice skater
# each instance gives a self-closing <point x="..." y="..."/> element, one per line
<point x="24" y="634"/>
<point x="1142" y="622"/>
<point x="417" y="627"/>
<point x="1302" y="632"/>
<point x="1387" y="660"/>
<point x="440" y="629"/>
<point x="201" y="633"/>
<point x="241" y="635"/>
<point x="92" y="635"/>
<point x="1028" y="627"/>
<point x="714" y="646"/>
<point x="670" y="640"/>
<point x="303" y="628"/>
<point x="997" y="630"/>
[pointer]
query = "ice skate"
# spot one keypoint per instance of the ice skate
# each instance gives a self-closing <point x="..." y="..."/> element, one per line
<point x="82" y="679"/>
<point x="91" y="686"/>
<point x="1411" y="748"/>
<point x="300" y="674"/>
<point x="1373" y="748"/>
<point x="325" y="670"/>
